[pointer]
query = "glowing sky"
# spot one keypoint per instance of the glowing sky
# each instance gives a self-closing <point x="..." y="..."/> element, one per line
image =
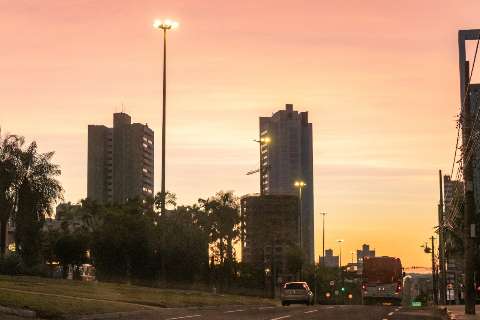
<point x="379" y="79"/>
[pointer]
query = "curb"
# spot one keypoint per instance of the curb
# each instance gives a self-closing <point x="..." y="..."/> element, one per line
<point x="18" y="312"/>
<point x="115" y="315"/>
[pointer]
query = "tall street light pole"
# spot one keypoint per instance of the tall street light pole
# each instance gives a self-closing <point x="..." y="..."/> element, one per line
<point x="299" y="184"/>
<point x="164" y="25"/>
<point x="323" y="235"/>
<point x="340" y="256"/>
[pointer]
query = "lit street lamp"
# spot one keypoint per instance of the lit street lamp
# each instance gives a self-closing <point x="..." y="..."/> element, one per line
<point x="340" y="246"/>
<point x="164" y="25"/>
<point x="300" y="185"/>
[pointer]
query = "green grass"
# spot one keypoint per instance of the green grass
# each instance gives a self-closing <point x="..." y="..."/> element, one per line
<point x="108" y="297"/>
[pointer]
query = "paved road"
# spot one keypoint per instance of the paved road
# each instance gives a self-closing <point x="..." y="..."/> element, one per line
<point x="323" y="312"/>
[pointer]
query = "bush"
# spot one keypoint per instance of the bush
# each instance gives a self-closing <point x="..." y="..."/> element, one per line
<point x="39" y="270"/>
<point x="11" y="264"/>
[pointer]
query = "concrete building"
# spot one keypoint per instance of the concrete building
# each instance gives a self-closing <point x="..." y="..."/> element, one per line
<point x="365" y="252"/>
<point x="288" y="158"/>
<point x="269" y="225"/>
<point x="451" y="189"/>
<point x="330" y="260"/>
<point x="120" y="161"/>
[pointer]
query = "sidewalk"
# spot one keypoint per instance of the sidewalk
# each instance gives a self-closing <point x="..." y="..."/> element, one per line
<point x="458" y="312"/>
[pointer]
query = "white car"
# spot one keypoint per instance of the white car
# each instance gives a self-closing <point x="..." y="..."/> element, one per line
<point x="296" y="292"/>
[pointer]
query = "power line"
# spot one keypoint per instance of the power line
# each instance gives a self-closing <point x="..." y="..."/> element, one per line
<point x="461" y="107"/>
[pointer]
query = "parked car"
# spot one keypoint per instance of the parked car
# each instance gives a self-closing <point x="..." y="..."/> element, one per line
<point x="296" y="292"/>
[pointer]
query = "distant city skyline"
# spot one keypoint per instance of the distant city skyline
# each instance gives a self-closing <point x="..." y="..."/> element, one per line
<point x="380" y="80"/>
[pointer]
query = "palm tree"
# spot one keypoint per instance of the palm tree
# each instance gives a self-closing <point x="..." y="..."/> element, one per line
<point x="10" y="150"/>
<point x="38" y="190"/>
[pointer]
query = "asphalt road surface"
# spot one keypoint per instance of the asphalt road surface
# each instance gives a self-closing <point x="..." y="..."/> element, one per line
<point x="336" y="312"/>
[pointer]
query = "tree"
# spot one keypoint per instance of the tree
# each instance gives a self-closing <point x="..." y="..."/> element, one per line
<point x="10" y="150"/>
<point x="38" y="190"/>
<point x="182" y="245"/>
<point x="295" y="259"/>
<point x="123" y="246"/>
<point x="222" y="223"/>
<point x="71" y="249"/>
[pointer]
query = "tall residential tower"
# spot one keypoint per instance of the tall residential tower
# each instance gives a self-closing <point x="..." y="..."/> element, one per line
<point x="289" y="158"/>
<point x="120" y="161"/>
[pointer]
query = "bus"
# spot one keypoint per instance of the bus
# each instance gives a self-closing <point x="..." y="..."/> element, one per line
<point x="382" y="280"/>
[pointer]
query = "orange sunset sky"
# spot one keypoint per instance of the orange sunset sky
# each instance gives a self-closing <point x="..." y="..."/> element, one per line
<point x="379" y="79"/>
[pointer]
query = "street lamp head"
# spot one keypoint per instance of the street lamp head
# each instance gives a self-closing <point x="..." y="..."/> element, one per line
<point x="299" y="184"/>
<point x="265" y="140"/>
<point x="166" y="24"/>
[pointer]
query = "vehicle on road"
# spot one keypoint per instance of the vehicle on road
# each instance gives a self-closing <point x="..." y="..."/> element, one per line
<point x="296" y="292"/>
<point x="382" y="280"/>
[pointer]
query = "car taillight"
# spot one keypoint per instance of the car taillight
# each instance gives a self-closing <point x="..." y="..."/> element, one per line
<point x="399" y="287"/>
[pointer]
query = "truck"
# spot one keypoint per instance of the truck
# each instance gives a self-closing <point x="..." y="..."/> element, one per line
<point x="382" y="280"/>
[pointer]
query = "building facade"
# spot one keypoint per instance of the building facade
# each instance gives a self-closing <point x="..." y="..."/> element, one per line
<point x="269" y="225"/>
<point x="451" y="189"/>
<point x="330" y="260"/>
<point x="120" y="161"/>
<point x="287" y="158"/>
<point x="365" y="252"/>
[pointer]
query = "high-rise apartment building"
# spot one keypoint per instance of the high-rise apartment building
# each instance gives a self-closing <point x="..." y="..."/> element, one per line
<point x="269" y="225"/>
<point x="120" y="161"/>
<point x="288" y="157"/>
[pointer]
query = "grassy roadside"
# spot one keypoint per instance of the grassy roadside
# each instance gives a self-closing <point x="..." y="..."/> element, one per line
<point x="73" y="297"/>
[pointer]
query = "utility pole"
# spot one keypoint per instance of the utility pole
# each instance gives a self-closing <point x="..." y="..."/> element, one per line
<point x="441" y="245"/>
<point x="469" y="214"/>
<point x="434" y="276"/>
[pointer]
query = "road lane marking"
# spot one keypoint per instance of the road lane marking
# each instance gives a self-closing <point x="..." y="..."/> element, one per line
<point x="264" y="308"/>
<point x="185" y="317"/>
<point x="391" y="313"/>
<point x="311" y="311"/>
<point x="330" y="307"/>
<point x="280" y="318"/>
<point x="232" y="311"/>
<point x="396" y="310"/>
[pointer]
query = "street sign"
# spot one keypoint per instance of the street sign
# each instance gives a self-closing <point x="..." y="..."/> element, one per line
<point x="416" y="304"/>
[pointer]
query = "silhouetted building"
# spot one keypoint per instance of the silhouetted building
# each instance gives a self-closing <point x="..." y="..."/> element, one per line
<point x="330" y="260"/>
<point x="365" y="252"/>
<point x="120" y="161"/>
<point x="286" y="159"/>
<point x="269" y="224"/>
<point x="475" y="114"/>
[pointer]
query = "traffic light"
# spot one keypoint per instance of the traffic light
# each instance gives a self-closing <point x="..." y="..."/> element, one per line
<point x="343" y="289"/>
